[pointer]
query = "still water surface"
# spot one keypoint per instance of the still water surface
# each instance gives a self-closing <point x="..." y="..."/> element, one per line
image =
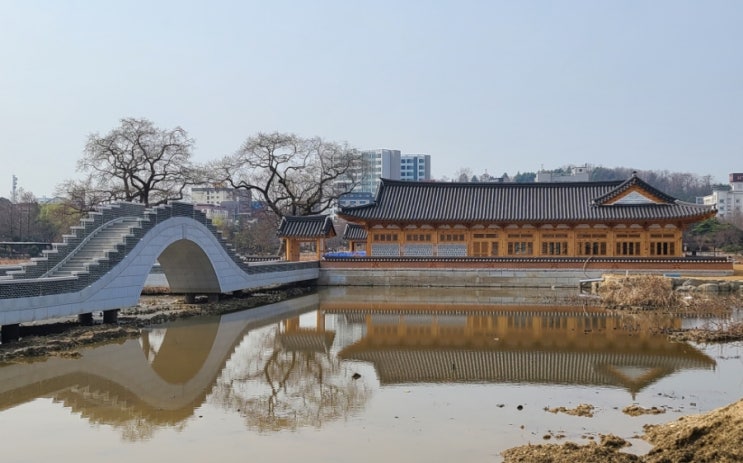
<point x="362" y="375"/>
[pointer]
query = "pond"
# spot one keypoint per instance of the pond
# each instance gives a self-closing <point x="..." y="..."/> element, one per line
<point x="364" y="375"/>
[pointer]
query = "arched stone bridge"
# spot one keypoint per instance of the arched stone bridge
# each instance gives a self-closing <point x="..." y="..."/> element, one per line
<point x="103" y="264"/>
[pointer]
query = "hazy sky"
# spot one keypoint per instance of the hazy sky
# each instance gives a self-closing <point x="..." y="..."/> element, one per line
<point x="503" y="86"/>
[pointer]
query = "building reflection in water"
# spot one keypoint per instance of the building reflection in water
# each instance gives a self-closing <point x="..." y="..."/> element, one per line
<point x="293" y="364"/>
<point x="409" y="341"/>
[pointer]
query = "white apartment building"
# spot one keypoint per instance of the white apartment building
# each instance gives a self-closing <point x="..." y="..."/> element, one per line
<point x="577" y="174"/>
<point x="221" y="202"/>
<point x="727" y="199"/>
<point x="377" y="164"/>
<point x="218" y="195"/>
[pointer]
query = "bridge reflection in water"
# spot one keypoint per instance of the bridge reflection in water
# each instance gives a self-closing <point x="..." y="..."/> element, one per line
<point x="293" y="364"/>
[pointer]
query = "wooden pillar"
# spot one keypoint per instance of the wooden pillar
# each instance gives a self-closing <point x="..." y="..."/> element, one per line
<point x="467" y="240"/>
<point x="572" y="246"/>
<point x="679" y="243"/>
<point x="292" y="250"/>
<point x="291" y="324"/>
<point x="537" y="251"/>
<point x="320" y="322"/>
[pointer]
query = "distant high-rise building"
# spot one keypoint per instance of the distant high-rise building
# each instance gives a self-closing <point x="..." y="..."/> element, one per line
<point x="415" y="167"/>
<point x="389" y="164"/>
<point x="377" y="164"/>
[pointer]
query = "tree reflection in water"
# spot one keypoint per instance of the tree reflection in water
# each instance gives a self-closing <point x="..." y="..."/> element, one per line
<point x="292" y="380"/>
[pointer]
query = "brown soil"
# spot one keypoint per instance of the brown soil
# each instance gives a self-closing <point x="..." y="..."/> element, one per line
<point x="714" y="437"/>
<point x="580" y="410"/>
<point x="636" y="410"/>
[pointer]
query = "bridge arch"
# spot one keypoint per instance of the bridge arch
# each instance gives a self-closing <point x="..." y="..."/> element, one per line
<point x="191" y="256"/>
<point x="188" y="268"/>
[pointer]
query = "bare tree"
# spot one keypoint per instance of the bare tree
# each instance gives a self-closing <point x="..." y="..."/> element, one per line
<point x="290" y="388"/>
<point x="81" y="196"/>
<point x="138" y="162"/>
<point x="464" y="174"/>
<point x="292" y="175"/>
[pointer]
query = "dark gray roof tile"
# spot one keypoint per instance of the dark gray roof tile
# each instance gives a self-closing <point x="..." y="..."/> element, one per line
<point x="444" y="202"/>
<point x="308" y="226"/>
<point x="354" y="232"/>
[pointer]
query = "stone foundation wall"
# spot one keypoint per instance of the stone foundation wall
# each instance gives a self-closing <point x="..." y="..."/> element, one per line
<point x="505" y="273"/>
<point x="491" y="278"/>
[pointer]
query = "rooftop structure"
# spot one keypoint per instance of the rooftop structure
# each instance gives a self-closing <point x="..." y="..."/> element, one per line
<point x="576" y="174"/>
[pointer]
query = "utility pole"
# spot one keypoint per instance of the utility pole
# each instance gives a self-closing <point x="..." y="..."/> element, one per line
<point x="14" y="191"/>
<point x="13" y="200"/>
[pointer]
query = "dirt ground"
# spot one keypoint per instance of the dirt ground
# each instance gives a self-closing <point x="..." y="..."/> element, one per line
<point x="714" y="437"/>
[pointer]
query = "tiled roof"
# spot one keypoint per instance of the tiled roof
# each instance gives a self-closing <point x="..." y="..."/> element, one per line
<point x="308" y="226"/>
<point x="354" y="232"/>
<point x="634" y="181"/>
<point x="445" y="202"/>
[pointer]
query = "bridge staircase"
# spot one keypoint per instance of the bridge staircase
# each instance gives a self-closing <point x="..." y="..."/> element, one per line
<point x="96" y="250"/>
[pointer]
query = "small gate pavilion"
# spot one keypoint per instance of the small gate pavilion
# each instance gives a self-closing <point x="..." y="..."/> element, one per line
<point x="312" y="230"/>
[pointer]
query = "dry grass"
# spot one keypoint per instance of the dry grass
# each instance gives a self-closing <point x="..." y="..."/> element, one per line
<point x="647" y="301"/>
<point x="638" y="291"/>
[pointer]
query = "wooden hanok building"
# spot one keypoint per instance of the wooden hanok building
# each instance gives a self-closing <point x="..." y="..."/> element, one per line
<point x="627" y="218"/>
<point x="309" y="231"/>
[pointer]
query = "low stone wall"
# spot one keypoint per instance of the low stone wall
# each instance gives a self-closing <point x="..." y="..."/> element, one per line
<point x="504" y="273"/>
<point x="491" y="278"/>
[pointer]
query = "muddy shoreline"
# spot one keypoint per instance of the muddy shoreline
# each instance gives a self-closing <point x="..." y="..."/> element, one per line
<point x="65" y="337"/>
